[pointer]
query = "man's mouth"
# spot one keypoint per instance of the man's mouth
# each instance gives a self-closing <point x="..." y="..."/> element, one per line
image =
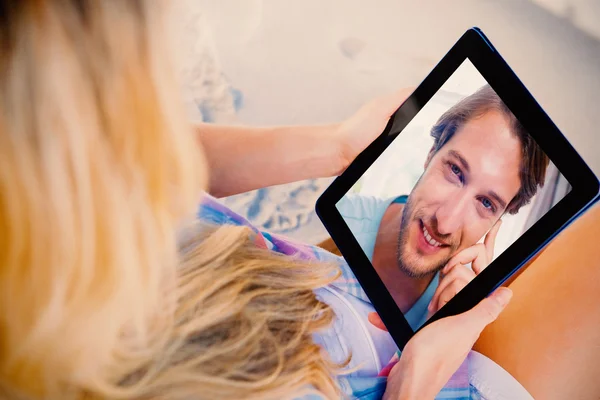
<point x="429" y="238"/>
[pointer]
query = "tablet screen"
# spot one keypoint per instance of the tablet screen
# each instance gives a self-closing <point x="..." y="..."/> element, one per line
<point x="454" y="190"/>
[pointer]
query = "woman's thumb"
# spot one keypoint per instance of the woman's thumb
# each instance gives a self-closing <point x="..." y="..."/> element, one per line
<point x="489" y="308"/>
<point x="391" y="102"/>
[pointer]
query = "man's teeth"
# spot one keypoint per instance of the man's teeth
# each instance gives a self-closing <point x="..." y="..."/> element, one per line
<point x="429" y="239"/>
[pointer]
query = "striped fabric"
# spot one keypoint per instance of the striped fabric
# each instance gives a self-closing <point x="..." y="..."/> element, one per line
<point x="364" y="388"/>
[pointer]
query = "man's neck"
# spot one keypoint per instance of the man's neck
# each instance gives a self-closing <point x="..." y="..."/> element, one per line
<point x="404" y="289"/>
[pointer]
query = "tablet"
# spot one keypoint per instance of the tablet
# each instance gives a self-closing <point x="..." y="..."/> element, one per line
<point x="468" y="181"/>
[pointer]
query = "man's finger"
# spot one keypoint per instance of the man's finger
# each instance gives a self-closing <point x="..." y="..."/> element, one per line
<point x="432" y="307"/>
<point x="450" y="291"/>
<point x="376" y="321"/>
<point x="458" y="272"/>
<point x="490" y="240"/>
<point x="481" y="261"/>
<point x="466" y="256"/>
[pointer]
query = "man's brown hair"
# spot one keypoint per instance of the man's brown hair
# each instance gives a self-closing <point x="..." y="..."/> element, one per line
<point x="534" y="161"/>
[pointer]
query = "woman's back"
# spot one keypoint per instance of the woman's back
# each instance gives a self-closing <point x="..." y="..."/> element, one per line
<point x="98" y="169"/>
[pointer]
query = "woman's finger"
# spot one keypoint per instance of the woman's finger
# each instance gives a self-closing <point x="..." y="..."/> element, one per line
<point x="391" y="102"/>
<point x="486" y="312"/>
<point x="376" y="321"/>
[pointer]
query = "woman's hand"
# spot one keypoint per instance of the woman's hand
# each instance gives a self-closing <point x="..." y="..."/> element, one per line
<point x="358" y="131"/>
<point x="246" y="158"/>
<point x="433" y="355"/>
<point x="456" y="275"/>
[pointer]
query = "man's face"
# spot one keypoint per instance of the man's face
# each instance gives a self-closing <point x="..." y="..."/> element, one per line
<point x="464" y="190"/>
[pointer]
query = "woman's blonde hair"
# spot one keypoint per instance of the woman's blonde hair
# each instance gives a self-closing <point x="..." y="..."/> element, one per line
<point x="98" y="170"/>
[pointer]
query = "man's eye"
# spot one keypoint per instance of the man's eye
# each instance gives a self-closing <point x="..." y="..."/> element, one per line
<point x="487" y="204"/>
<point x="455" y="169"/>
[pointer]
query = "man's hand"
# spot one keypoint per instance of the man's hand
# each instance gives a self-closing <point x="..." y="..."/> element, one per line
<point x="456" y="275"/>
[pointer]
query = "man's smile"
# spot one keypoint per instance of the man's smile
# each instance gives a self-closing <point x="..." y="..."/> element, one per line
<point x="428" y="243"/>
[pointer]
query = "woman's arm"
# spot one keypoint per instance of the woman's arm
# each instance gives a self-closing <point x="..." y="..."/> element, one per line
<point x="244" y="158"/>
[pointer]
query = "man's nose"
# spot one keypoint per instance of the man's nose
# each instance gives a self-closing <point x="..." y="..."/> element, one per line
<point x="451" y="214"/>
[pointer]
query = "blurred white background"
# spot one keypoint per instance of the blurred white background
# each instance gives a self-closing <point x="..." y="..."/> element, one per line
<point x="316" y="61"/>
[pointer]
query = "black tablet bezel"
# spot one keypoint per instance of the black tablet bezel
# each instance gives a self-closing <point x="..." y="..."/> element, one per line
<point x="474" y="46"/>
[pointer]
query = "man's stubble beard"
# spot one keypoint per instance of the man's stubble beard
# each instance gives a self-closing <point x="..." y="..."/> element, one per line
<point x="407" y="266"/>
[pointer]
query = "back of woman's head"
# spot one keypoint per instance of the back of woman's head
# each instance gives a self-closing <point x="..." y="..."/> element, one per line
<point x="97" y="168"/>
<point x="97" y="165"/>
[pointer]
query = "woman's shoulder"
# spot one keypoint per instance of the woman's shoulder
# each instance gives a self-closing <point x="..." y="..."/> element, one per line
<point x="212" y="211"/>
